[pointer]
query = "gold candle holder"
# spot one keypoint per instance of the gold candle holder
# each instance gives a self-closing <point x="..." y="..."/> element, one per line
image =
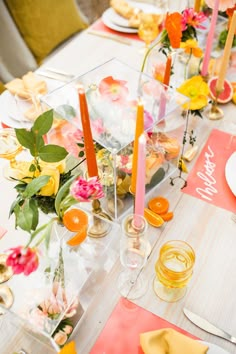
<point x="214" y="112"/>
<point x="100" y="227"/>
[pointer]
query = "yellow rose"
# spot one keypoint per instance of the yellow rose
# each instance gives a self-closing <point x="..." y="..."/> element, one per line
<point x="61" y="165"/>
<point x="51" y="188"/>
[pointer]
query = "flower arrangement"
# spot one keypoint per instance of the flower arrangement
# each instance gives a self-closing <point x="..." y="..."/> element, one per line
<point x="44" y="185"/>
<point x="178" y="29"/>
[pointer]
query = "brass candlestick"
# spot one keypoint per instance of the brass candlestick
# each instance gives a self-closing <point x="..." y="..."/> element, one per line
<point x="100" y="227"/>
<point x="214" y="112"/>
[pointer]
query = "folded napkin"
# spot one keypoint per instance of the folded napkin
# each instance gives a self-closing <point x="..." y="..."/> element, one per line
<point x="29" y="88"/>
<point x="69" y="348"/>
<point x="169" y="341"/>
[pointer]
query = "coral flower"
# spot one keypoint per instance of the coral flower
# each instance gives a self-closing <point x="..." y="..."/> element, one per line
<point x="192" y="18"/>
<point x="85" y="190"/>
<point x="23" y="260"/>
<point x="197" y="90"/>
<point x="174" y="28"/>
<point x="224" y="4"/>
<point x="114" y="90"/>
<point x="191" y="47"/>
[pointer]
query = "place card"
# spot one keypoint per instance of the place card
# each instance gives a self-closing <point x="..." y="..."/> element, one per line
<point x="126" y="322"/>
<point x="207" y="179"/>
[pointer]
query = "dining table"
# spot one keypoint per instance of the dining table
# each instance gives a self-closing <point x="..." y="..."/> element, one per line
<point x="209" y="229"/>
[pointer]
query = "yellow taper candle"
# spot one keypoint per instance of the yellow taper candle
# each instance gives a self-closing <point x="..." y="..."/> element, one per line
<point x="138" y="132"/>
<point x="226" y="55"/>
<point x="197" y="5"/>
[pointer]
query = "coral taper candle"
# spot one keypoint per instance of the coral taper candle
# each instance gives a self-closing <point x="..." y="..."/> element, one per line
<point x="138" y="131"/>
<point x="197" y="5"/>
<point x="140" y="185"/>
<point x="92" y="168"/>
<point x="166" y="79"/>
<point x="226" y="55"/>
<point x="210" y="39"/>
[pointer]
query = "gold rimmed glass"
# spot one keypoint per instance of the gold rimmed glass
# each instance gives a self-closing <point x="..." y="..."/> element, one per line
<point x="9" y="149"/>
<point x="174" y="269"/>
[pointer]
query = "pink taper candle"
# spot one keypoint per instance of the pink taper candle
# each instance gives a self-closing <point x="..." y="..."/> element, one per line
<point x="140" y="184"/>
<point x="210" y="39"/>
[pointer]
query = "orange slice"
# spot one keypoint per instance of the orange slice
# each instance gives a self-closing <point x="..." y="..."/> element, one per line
<point x="75" y="219"/>
<point x="159" y="205"/>
<point x="79" y="237"/>
<point x="153" y="218"/>
<point x="168" y="216"/>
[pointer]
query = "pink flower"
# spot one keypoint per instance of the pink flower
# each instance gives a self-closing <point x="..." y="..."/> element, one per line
<point x="84" y="190"/>
<point x="97" y="126"/>
<point x="192" y="18"/>
<point x="224" y="4"/>
<point x="114" y="90"/>
<point x="23" y="260"/>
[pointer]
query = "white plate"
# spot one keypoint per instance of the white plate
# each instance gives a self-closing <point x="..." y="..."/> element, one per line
<point x="214" y="349"/>
<point x="9" y="112"/>
<point x="230" y="172"/>
<point x="118" y="23"/>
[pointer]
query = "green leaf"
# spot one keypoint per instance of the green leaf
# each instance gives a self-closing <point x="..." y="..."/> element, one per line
<point x="14" y="205"/>
<point x="43" y="123"/>
<point x="26" y="138"/>
<point x="62" y="193"/>
<point x="35" y="185"/>
<point x="24" y="216"/>
<point x="65" y="111"/>
<point x="38" y="143"/>
<point x="32" y="168"/>
<point x="52" y="153"/>
<point x="34" y="208"/>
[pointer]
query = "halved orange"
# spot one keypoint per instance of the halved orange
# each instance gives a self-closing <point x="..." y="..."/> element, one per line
<point x="159" y="205"/>
<point x="153" y="218"/>
<point x="167" y="216"/>
<point x="75" y="219"/>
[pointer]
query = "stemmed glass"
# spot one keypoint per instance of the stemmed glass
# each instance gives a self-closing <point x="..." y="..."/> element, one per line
<point x="9" y="148"/>
<point x="148" y="29"/>
<point x="134" y="248"/>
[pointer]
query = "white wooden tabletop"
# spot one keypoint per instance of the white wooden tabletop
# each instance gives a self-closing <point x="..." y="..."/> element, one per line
<point x="209" y="229"/>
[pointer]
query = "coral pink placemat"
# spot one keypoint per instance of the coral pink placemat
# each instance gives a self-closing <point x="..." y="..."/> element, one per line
<point x="207" y="179"/>
<point x="99" y="26"/>
<point x="121" y="332"/>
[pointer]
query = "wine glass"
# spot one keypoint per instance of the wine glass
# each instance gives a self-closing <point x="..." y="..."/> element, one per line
<point x="134" y="249"/>
<point x="9" y="149"/>
<point x="148" y="28"/>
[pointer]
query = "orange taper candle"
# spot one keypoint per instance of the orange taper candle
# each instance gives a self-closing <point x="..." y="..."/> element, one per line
<point x="166" y="79"/>
<point x="88" y="139"/>
<point x="197" y="5"/>
<point x="138" y="132"/>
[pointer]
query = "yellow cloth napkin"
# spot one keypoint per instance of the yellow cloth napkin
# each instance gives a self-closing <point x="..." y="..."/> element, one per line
<point x="169" y="341"/>
<point x="69" y="348"/>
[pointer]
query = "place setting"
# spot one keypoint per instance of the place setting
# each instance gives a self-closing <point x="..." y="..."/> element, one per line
<point x="124" y="16"/>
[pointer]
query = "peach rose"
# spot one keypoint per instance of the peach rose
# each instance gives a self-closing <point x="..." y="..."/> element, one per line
<point x="60" y="338"/>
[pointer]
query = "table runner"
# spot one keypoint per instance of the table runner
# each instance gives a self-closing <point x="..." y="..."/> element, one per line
<point x="121" y="332"/>
<point x="207" y="179"/>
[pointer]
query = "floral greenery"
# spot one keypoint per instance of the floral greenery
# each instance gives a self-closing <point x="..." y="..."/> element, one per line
<point x="42" y="187"/>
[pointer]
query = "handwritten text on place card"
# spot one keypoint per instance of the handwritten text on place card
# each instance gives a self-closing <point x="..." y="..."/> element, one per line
<point x="207" y="176"/>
